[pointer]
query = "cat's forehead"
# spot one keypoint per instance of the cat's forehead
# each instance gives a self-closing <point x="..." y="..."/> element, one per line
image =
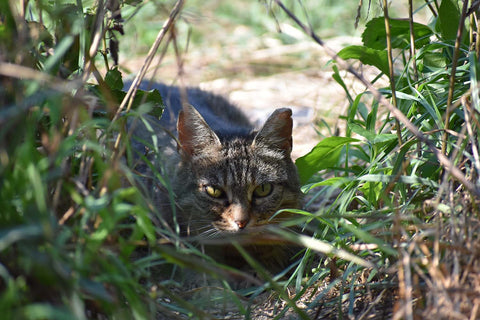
<point x="246" y="148"/>
<point x="242" y="164"/>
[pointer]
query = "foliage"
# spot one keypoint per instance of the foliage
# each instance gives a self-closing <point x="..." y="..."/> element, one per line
<point x="66" y="239"/>
<point x="396" y="190"/>
<point x="80" y="239"/>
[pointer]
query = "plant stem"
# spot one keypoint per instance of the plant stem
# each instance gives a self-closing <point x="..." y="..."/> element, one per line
<point x="390" y="67"/>
<point x="97" y="35"/>
<point x="412" y="40"/>
<point x="451" y="88"/>
<point x="431" y="8"/>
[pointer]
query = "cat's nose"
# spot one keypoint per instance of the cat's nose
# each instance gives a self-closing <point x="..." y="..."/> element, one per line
<point x="242" y="223"/>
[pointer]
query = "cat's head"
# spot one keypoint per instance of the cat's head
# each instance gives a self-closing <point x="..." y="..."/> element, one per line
<point x="233" y="183"/>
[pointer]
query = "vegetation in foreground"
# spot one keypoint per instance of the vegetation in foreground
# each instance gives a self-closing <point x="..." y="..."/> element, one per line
<point x="399" y="238"/>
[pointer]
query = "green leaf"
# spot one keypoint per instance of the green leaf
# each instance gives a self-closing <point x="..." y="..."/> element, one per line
<point x="153" y="97"/>
<point x="372" y="57"/>
<point x="60" y="50"/>
<point x="322" y="247"/>
<point x="474" y="79"/>
<point x="337" y="77"/>
<point x="338" y="182"/>
<point x="324" y="155"/>
<point x="144" y="223"/>
<point x="95" y="289"/>
<point x="44" y="311"/>
<point x="113" y="78"/>
<point x="448" y="19"/>
<point x="434" y="60"/>
<point x="142" y="97"/>
<point x="372" y="137"/>
<point x="398" y="179"/>
<point x="9" y="237"/>
<point x="375" y="36"/>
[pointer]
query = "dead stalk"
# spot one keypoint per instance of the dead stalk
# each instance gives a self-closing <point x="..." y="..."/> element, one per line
<point x="97" y="36"/>
<point x="470" y="130"/>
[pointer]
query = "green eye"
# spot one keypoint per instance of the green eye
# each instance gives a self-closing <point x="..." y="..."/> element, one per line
<point x="263" y="190"/>
<point x="213" y="192"/>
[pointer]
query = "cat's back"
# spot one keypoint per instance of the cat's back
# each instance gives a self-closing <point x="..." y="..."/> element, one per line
<point x="223" y="117"/>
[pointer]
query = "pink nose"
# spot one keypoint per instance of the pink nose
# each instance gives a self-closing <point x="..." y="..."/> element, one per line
<point x="241" y="223"/>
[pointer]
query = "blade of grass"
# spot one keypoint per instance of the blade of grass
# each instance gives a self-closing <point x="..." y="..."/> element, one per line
<point x="321" y="246"/>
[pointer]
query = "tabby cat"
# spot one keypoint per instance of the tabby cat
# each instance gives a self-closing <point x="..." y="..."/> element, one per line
<point x="226" y="176"/>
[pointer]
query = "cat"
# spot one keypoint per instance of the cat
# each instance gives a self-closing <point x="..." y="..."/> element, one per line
<point x="225" y="177"/>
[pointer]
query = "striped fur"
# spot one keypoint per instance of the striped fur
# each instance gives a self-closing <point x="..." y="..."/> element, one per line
<point x="219" y="150"/>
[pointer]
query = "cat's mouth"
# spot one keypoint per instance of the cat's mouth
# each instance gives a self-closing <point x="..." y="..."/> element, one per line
<point x="250" y="226"/>
<point x="253" y="235"/>
<point x="238" y="226"/>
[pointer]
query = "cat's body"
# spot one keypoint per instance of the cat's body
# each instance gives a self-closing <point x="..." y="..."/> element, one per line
<point x="225" y="177"/>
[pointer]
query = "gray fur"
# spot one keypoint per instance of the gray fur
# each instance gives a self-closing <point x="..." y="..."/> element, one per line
<point x="217" y="146"/>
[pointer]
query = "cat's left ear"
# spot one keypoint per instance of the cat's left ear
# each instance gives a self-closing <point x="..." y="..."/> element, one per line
<point x="277" y="131"/>
<point x="194" y="134"/>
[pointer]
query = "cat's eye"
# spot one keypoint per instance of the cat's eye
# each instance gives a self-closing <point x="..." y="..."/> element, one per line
<point x="263" y="190"/>
<point x="214" y="192"/>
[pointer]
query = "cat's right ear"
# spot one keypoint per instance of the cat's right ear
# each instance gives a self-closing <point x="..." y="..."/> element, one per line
<point x="194" y="134"/>
<point x="277" y="131"/>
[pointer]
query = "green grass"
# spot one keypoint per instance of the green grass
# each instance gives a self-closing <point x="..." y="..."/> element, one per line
<point x="81" y="238"/>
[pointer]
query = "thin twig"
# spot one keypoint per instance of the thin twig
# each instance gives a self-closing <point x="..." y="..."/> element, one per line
<point x="371" y="305"/>
<point x="453" y="156"/>
<point x="359" y="13"/>
<point x="474" y="144"/>
<point x="97" y="35"/>
<point x="18" y="71"/>
<point x="407" y="285"/>
<point x="431" y="8"/>
<point x="477" y="38"/>
<point x="444" y="161"/>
